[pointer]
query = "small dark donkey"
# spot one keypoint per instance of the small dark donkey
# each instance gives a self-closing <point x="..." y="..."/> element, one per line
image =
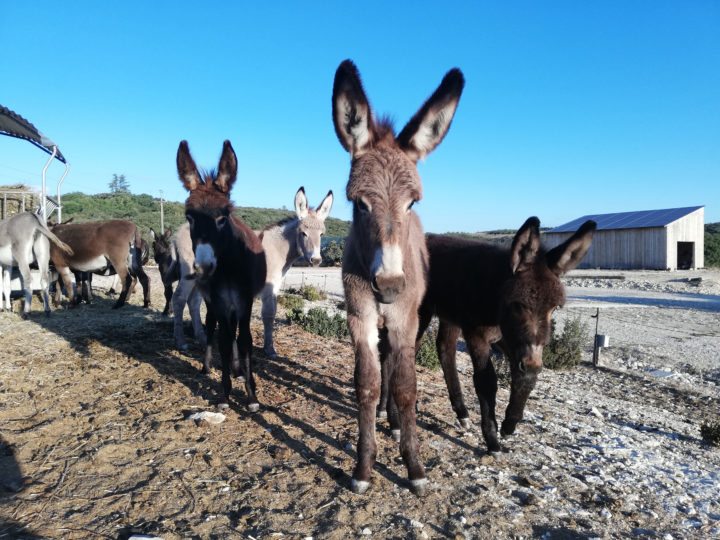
<point x="169" y="272"/>
<point x="385" y="262"/>
<point x="500" y="297"/>
<point x="229" y="263"/>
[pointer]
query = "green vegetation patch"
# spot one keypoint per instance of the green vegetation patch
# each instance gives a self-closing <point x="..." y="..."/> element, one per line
<point x="565" y="350"/>
<point x="317" y="321"/>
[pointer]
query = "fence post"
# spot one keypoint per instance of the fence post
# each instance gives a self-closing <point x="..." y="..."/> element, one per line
<point x="596" y="348"/>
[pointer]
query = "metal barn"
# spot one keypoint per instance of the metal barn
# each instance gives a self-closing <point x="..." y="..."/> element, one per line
<point x="670" y="239"/>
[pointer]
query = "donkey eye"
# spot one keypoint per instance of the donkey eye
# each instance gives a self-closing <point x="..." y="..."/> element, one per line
<point x="304" y="234"/>
<point x="220" y="222"/>
<point x="362" y="206"/>
<point x="412" y="203"/>
<point x="190" y="220"/>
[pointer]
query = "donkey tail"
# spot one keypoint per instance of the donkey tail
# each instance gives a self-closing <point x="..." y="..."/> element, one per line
<point x="51" y="236"/>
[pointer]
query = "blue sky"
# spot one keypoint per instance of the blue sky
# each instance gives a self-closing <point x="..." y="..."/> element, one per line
<point x="569" y="108"/>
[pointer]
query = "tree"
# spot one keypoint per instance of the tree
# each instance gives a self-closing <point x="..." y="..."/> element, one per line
<point x="119" y="184"/>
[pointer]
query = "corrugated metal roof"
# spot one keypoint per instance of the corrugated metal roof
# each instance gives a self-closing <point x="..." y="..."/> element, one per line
<point x="629" y="220"/>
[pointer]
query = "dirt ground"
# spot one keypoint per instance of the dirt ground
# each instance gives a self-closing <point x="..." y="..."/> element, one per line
<point x="94" y="442"/>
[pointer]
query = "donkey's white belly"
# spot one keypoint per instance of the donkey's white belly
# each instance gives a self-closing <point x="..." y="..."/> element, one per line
<point x="93" y="264"/>
<point x="6" y="258"/>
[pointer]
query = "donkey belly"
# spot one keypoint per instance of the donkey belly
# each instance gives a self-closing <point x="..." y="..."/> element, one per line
<point x="6" y="256"/>
<point x="92" y="265"/>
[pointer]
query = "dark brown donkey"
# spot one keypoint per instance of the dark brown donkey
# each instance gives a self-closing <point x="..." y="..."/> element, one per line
<point x="501" y="297"/>
<point x="97" y="247"/>
<point x="229" y="266"/>
<point x="385" y="262"/>
<point x="167" y="265"/>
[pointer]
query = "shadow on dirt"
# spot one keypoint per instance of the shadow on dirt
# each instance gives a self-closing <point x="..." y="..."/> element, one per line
<point x="11" y="486"/>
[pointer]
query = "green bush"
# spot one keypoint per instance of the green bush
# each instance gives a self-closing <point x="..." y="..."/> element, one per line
<point x="712" y="249"/>
<point x="332" y="253"/>
<point x="426" y="355"/>
<point x="317" y="321"/>
<point x="710" y="431"/>
<point x="308" y="292"/>
<point x="564" y="350"/>
<point x="291" y="301"/>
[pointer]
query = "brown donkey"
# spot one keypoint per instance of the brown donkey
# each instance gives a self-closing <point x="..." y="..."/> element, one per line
<point x="385" y="263"/>
<point x="229" y="267"/>
<point x="499" y="297"/>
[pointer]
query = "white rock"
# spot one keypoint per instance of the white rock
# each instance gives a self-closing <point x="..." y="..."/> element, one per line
<point x="416" y="524"/>
<point x="210" y="417"/>
<point x="366" y="531"/>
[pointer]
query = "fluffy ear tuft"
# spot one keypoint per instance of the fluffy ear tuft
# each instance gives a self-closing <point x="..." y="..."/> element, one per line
<point x="323" y="210"/>
<point x="152" y="233"/>
<point x="430" y="124"/>
<point x="187" y="170"/>
<point x="351" y="110"/>
<point x="227" y="168"/>
<point x="301" y="203"/>
<point x="525" y="245"/>
<point x="568" y="255"/>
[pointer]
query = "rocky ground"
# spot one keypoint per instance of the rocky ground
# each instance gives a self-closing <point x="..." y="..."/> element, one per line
<point x="95" y="439"/>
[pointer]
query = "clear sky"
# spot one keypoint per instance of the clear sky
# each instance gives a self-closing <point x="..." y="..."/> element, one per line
<point x="569" y="108"/>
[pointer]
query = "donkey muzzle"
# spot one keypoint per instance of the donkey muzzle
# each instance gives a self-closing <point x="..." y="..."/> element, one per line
<point x="387" y="288"/>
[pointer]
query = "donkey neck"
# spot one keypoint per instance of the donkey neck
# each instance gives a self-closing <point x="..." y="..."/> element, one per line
<point x="280" y="245"/>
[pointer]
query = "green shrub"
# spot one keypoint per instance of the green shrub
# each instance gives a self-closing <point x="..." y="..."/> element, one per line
<point x="317" y="321"/>
<point x="332" y="253"/>
<point x="710" y="431"/>
<point x="291" y="301"/>
<point x="564" y="350"/>
<point x="308" y="292"/>
<point x="426" y="355"/>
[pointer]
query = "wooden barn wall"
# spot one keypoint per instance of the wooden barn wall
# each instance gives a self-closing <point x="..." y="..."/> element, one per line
<point x="690" y="228"/>
<point x="622" y="249"/>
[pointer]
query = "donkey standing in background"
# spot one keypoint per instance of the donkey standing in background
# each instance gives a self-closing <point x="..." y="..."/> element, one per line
<point x="496" y="296"/>
<point x="229" y="263"/>
<point x="98" y="246"/>
<point x="175" y="261"/>
<point x="283" y="244"/>
<point x="25" y="239"/>
<point x="385" y="263"/>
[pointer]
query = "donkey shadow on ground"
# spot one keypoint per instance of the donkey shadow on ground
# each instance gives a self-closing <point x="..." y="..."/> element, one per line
<point x="12" y="484"/>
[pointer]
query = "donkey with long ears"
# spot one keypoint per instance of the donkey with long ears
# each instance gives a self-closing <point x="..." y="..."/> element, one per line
<point x="25" y="239"/>
<point x="229" y="263"/>
<point x="501" y="297"/>
<point x="385" y="263"/>
<point x="285" y="242"/>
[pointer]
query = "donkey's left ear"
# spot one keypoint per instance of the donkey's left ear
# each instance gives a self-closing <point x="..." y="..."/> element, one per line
<point x="187" y="170"/>
<point x="568" y="255"/>
<point x="324" y="209"/>
<point x="301" y="203"/>
<point x="525" y="246"/>
<point x="430" y="124"/>
<point x="152" y="234"/>
<point x="227" y="168"/>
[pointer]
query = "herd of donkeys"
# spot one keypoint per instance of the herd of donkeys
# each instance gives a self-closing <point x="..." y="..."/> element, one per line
<point x="396" y="278"/>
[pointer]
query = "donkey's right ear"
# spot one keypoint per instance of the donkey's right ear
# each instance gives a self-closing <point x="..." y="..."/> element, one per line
<point x="187" y="170"/>
<point x="525" y="245"/>
<point x="152" y="234"/>
<point x="168" y="233"/>
<point x="301" y="203"/>
<point x="351" y="110"/>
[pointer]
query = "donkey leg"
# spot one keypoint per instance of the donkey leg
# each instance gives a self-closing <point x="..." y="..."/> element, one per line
<point x="485" y="380"/>
<point x="179" y="299"/>
<point x="523" y="381"/>
<point x="145" y="283"/>
<point x="210" y="325"/>
<point x="126" y="280"/>
<point x="194" y="302"/>
<point x="225" y="339"/>
<point x="5" y="288"/>
<point x="269" y="310"/>
<point x="403" y="386"/>
<point x="446" y="344"/>
<point x="367" y="392"/>
<point x="168" y="292"/>
<point x="24" y="268"/>
<point x="382" y="410"/>
<point x="245" y="350"/>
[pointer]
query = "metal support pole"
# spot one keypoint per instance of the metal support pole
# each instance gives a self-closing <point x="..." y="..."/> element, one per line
<point x="44" y="190"/>
<point x="162" y="214"/>
<point x="67" y="168"/>
<point x="596" y="347"/>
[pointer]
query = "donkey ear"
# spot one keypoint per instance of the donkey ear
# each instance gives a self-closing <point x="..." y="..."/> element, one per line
<point x="568" y="255"/>
<point x="301" y="203"/>
<point x="227" y="168"/>
<point x="351" y="111"/>
<point x="168" y="233"/>
<point x="187" y="170"/>
<point x="324" y="209"/>
<point x="430" y="124"/>
<point x="152" y="234"/>
<point x="525" y="246"/>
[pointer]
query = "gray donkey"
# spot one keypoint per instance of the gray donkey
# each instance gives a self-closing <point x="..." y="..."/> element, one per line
<point x="284" y="243"/>
<point x="25" y="239"/>
<point x="385" y="263"/>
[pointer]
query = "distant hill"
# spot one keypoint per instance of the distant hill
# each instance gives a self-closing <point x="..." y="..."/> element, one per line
<point x="144" y="211"/>
<point x="712" y="244"/>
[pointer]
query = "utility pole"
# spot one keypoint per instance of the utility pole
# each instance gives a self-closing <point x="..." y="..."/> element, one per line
<point x="162" y="214"/>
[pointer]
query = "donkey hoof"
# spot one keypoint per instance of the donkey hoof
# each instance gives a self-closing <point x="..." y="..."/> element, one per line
<point x="395" y="435"/>
<point x="382" y="414"/>
<point x="419" y="487"/>
<point x="508" y="427"/>
<point x="270" y="353"/>
<point x="359" y="486"/>
<point x="253" y="407"/>
<point x="465" y="423"/>
<point x="182" y="347"/>
<point x="222" y="405"/>
<point x="240" y="378"/>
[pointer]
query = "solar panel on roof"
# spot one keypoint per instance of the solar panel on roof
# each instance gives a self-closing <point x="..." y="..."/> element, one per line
<point x="629" y="220"/>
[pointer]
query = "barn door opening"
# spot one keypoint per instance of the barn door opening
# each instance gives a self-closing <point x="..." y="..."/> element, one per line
<point x="685" y="255"/>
